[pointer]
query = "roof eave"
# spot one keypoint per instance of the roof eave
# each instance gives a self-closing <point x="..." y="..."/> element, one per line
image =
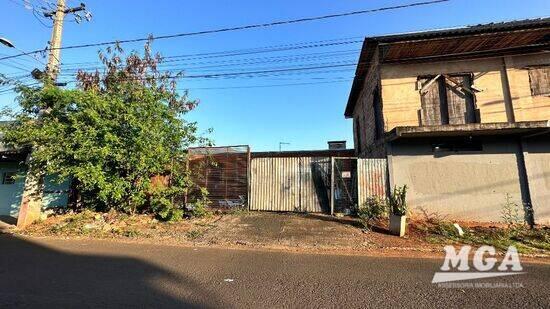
<point x="473" y="129"/>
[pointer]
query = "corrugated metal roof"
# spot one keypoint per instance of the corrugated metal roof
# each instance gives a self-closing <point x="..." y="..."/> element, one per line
<point x="467" y="30"/>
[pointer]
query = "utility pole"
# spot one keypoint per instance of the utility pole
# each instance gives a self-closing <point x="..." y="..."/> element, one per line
<point x="31" y="203"/>
<point x="52" y="69"/>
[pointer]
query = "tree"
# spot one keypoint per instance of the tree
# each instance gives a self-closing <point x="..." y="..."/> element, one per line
<point x="110" y="134"/>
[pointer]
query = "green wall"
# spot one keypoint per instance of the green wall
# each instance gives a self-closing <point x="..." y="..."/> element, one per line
<point x="55" y="195"/>
<point x="11" y="194"/>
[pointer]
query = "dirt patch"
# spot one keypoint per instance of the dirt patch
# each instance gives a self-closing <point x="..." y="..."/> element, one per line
<point x="305" y="231"/>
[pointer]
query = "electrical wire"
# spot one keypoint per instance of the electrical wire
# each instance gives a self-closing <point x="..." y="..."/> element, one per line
<point x="245" y="27"/>
<point x="264" y="86"/>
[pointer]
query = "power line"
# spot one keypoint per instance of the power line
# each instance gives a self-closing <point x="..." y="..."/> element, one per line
<point x="224" y="74"/>
<point x="246" y="62"/>
<point x="247" y="51"/>
<point x="246" y="27"/>
<point x="29" y="6"/>
<point x="264" y="86"/>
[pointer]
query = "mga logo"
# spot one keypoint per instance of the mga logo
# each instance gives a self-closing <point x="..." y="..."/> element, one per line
<point x="456" y="266"/>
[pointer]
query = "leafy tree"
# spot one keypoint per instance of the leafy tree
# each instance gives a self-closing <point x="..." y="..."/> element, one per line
<point x="112" y="133"/>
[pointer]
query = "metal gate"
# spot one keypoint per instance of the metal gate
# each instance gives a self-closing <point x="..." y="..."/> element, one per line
<point x="344" y="186"/>
<point x="298" y="184"/>
<point x="315" y="184"/>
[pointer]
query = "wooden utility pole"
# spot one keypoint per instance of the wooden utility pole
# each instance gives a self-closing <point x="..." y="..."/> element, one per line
<point x="52" y="69"/>
<point x="31" y="203"/>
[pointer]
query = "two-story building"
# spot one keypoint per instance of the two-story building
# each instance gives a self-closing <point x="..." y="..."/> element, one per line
<point x="462" y="115"/>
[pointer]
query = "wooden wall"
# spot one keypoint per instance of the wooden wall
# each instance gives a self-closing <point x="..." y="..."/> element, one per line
<point x="401" y="99"/>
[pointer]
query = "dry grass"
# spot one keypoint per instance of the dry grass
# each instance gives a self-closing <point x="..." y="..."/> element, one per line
<point x="117" y="225"/>
<point x="437" y="230"/>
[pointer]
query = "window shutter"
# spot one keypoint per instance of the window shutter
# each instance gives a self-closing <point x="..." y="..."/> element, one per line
<point x="460" y="102"/>
<point x="539" y="78"/>
<point x="430" y="103"/>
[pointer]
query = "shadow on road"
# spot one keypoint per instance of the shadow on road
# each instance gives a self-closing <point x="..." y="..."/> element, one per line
<point x="33" y="275"/>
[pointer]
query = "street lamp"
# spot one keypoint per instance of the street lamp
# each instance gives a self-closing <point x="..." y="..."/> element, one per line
<point x="7" y="42"/>
<point x="281" y="145"/>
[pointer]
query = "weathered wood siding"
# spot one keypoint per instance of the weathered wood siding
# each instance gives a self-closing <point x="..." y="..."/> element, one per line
<point x="402" y="100"/>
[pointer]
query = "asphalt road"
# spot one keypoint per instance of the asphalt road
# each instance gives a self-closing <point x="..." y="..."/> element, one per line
<point x="102" y="274"/>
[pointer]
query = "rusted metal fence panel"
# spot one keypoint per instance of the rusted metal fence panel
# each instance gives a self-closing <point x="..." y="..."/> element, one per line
<point x="223" y="171"/>
<point x="296" y="184"/>
<point x="371" y="178"/>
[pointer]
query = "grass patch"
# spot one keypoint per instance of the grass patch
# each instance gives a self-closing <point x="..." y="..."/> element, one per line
<point x="194" y="234"/>
<point x="239" y="211"/>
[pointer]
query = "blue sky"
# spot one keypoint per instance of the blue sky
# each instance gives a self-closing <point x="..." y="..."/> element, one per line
<point x="260" y="111"/>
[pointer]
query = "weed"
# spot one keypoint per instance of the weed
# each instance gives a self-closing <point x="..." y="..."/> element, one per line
<point x="194" y="234"/>
<point x="510" y="213"/>
<point x="131" y="233"/>
<point x="438" y="230"/>
<point x="239" y="211"/>
<point x="374" y="208"/>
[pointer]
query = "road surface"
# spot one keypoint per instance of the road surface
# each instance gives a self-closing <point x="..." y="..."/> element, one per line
<point x="57" y="273"/>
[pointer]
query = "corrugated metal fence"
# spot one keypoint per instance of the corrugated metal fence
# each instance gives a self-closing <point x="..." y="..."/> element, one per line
<point x="290" y="184"/>
<point x="302" y="184"/>
<point x="371" y="179"/>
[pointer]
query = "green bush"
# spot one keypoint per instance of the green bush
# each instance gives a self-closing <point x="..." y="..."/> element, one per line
<point x="374" y="208"/>
<point x="197" y="210"/>
<point x="397" y="201"/>
<point x="164" y="208"/>
<point x="111" y="134"/>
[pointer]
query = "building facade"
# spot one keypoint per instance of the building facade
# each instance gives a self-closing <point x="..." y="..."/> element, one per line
<point x="17" y="204"/>
<point x="462" y="115"/>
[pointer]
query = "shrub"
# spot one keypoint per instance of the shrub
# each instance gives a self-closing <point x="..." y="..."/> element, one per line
<point x="374" y="208"/>
<point x="164" y="208"/>
<point x="111" y="134"/>
<point x="198" y="208"/>
<point x="397" y="201"/>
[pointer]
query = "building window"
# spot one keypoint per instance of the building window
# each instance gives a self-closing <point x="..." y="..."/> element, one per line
<point x="8" y="178"/>
<point x="539" y="78"/>
<point x="447" y="99"/>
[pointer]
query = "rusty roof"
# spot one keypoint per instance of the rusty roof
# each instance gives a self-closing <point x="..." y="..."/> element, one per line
<point x="494" y="39"/>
